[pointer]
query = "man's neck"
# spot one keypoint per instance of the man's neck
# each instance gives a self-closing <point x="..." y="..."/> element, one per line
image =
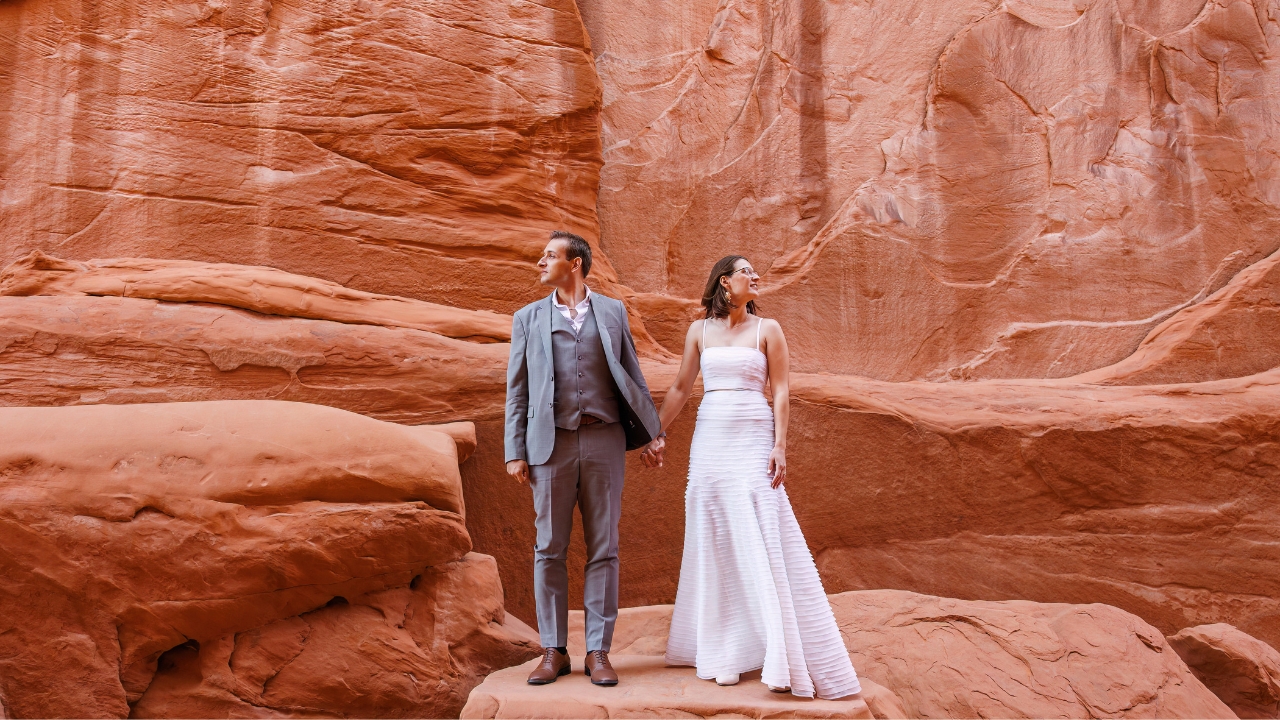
<point x="572" y="294"/>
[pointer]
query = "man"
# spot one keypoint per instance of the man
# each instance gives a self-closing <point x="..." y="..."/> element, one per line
<point x="576" y="402"/>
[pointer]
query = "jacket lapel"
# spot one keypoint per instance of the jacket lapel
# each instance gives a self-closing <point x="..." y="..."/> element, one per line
<point x="619" y="375"/>
<point x="548" y="309"/>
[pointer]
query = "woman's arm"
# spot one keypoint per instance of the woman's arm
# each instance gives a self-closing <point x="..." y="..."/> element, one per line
<point x="775" y="349"/>
<point x="678" y="394"/>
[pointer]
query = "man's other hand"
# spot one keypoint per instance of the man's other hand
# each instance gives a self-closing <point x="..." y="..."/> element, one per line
<point x="519" y="469"/>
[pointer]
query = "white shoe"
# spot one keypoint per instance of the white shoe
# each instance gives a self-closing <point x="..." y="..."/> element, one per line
<point x="775" y="688"/>
<point x="727" y="679"/>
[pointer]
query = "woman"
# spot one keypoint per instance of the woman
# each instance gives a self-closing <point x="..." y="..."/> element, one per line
<point x="749" y="595"/>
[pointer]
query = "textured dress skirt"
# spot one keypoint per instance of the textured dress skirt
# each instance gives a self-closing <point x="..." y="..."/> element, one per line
<point x="749" y="595"/>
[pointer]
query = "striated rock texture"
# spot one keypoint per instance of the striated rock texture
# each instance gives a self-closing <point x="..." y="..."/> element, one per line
<point x="940" y="190"/>
<point x="1234" y="332"/>
<point x="409" y="651"/>
<point x="131" y="530"/>
<point x="389" y="147"/>
<point x="961" y="659"/>
<point x="264" y="290"/>
<point x="1243" y="671"/>
<point x="78" y="350"/>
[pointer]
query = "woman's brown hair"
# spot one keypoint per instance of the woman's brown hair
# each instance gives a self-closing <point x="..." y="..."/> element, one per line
<point x="714" y="298"/>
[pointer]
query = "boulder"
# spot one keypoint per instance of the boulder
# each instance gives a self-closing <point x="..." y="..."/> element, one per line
<point x="1240" y="669"/>
<point x="409" y="651"/>
<point x="948" y="658"/>
<point x="127" y="531"/>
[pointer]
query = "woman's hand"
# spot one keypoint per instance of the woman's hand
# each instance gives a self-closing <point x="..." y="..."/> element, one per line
<point x="777" y="466"/>
<point x="652" y="455"/>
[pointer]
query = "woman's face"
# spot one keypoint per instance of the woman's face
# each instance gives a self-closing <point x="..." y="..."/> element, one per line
<point x="742" y="283"/>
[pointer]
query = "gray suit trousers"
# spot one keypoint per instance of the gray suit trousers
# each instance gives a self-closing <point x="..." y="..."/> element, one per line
<point x="585" y="469"/>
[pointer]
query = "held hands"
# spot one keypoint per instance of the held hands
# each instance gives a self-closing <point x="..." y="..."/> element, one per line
<point x="777" y="467"/>
<point x="519" y="469"/>
<point x="652" y="455"/>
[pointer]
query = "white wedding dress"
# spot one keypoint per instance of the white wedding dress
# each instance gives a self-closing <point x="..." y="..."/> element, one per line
<point x="749" y="595"/>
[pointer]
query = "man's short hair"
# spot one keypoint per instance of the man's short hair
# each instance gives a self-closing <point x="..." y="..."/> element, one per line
<point x="578" y="248"/>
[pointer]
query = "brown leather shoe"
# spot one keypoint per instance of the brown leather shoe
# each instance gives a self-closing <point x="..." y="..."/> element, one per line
<point x="554" y="664"/>
<point x="597" y="668"/>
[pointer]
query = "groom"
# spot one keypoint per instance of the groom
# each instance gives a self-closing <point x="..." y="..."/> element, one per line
<point x="576" y="402"/>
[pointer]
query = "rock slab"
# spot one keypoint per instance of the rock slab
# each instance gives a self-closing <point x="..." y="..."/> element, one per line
<point x="1240" y="669"/>
<point x="647" y="688"/>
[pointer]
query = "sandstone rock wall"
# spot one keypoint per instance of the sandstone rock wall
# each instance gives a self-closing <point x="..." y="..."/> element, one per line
<point x="941" y="189"/>
<point x="384" y="146"/>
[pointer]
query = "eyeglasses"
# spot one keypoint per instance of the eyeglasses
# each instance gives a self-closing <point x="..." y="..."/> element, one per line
<point x="748" y="271"/>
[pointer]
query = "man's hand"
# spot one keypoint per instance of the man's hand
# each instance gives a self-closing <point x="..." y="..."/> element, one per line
<point x="519" y="469"/>
<point x="652" y="455"/>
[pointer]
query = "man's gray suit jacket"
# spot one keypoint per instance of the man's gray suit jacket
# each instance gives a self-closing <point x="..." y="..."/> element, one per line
<point x="530" y="426"/>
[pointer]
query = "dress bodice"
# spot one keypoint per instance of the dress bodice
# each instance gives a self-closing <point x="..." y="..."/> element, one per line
<point x="734" y="368"/>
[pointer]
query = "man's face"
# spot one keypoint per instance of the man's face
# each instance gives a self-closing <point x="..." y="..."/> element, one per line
<point x="555" y="268"/>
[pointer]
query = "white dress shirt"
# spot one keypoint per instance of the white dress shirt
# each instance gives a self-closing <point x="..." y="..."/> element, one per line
<point x="582" y="309"/>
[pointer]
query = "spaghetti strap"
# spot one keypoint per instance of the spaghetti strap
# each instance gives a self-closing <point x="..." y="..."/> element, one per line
<point x="759" y="322"/>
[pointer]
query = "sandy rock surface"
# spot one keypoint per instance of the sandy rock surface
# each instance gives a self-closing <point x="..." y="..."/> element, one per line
<point x="646" y="688"/>
<point x="1242" y="670"/>
<point x="130" y="530"/>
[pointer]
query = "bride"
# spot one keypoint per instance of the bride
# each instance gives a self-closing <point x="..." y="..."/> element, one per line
<point x="749" y="595"/>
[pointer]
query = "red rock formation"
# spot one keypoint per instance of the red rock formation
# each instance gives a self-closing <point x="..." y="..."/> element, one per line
<point x="1233" y="333"/>
<point x="409" y="651"/>
<point x="954" y="658"/>
<point x="922" y="656"/>
<point x="1241" y="670"/>
<point x="79" y="350"/>
<point x="941" y="190"/>
<point x="1083" y="493"/>
<point x="264" y="290"/>
<point x="130" y="530"/>
<point x="389" y="148"/>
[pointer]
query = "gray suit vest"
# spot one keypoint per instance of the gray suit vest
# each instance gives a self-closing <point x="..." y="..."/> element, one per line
<point x="583" y="383"/>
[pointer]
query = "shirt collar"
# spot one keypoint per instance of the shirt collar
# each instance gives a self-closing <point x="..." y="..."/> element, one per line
<point x="582" y="306"/>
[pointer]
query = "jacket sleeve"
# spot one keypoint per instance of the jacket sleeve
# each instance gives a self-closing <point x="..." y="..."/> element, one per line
<point x="517" y="420"/>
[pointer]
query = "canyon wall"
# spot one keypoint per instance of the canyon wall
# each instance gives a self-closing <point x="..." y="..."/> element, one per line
<point x="938" y="190"/>
<point x="1024" y="253"/>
